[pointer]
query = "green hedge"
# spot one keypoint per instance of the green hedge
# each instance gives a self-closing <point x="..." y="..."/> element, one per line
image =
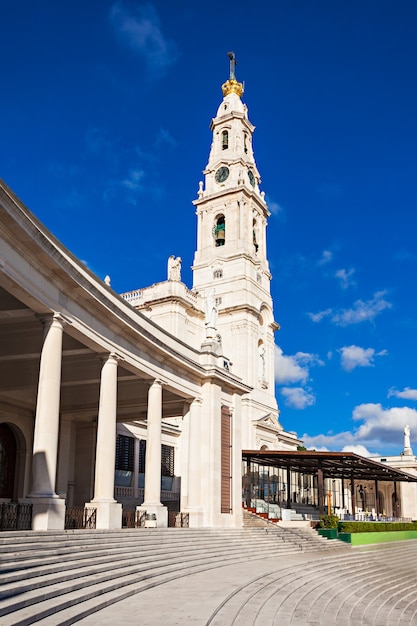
<point x="375" y="527"/>
<point x="329" y="521"/>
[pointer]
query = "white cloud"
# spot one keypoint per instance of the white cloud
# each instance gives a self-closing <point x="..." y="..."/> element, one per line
<point x="133" y="180"/>
<point x="355" y="356"/>
<point x="362" y="311"/>
<point x="328" y="441"/>
<point x="142" y="32"/>
<point x="381" y="428"/>
<point x="293" y="369"/>
<point x="297" y="397"/>
<point x="287" y="370"/>
<point x="406" y="393"/>
<point x="359" y="449"/>
<point x="326" y="257"/>
<point x="380" y="424"/>
<point x="317" y="317"/>
<point x="345" y="278"/>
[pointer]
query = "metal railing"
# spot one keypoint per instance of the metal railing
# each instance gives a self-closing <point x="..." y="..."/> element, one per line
<point x="369" y="517"/>
<point x="80" y="517"/>
<point x="138" y="494"/>
<point x="133" y="519"/>
<point x="181" y="520"/>
<point x="15" y="516"/>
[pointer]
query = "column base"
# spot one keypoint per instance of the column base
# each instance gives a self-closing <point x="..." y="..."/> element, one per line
<point x="159" y="510"/>
<point x="47" y="513"/>
<point x="109" y="515"/>
<point x="196" y="516"/>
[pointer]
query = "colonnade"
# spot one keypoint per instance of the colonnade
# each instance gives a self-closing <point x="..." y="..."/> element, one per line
<point x="48" y="507"/>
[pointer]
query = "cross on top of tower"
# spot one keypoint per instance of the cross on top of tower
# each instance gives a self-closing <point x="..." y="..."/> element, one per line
<point x="232" y="85"/>
<point x="233" y="64"/>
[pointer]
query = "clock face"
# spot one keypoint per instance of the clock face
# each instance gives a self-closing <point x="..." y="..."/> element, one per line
<point x="221" y="174"/>
<point x="251" y="178"/>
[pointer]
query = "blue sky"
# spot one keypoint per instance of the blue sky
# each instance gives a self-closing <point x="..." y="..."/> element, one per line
<point x="104" y="126"/>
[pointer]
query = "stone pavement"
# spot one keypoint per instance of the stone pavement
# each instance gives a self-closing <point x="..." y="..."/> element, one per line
<point x="375" y="586"/>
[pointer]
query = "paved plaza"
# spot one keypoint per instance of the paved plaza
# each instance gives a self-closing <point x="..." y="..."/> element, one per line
<point x="367" y="586"/>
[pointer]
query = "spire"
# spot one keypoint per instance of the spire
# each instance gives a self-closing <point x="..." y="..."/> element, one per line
<point x="232" y="85"/>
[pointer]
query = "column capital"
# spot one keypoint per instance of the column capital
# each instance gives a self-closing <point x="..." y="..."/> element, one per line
<point x="156" y="381"/>
<point x="55" y="318"/>
<point x="110" y="357"/>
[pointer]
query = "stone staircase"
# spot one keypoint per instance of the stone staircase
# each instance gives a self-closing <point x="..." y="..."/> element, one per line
<point x="60" y="577"/>
<point x="373" y="586"/>
<point x="308" y="539"/>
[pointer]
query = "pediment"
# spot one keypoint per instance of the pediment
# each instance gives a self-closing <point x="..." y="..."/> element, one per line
<point x="268" y="422"/>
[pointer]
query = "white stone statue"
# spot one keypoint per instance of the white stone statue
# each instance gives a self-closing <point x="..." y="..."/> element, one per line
<point x="211" y="315"/>
<point x="107" y="280"/>
<point x="174" y="268"/>
<point x="407" y="443"/>
<point x="261" y="362"/>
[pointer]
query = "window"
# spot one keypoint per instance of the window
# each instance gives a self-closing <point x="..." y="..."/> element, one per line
<point x="167" y="460"/>
<point x="142" y="456"/>
<point x="255" y="241"/>
<point x="220" y="231"/>
<point x="225" y="140"/>
<point x="218" y="274"/>
<point x="125" y="453"/>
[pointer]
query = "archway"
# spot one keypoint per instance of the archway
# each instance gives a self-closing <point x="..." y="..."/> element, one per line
<point x="8" y="449"/>
<point x="381" y="503"/>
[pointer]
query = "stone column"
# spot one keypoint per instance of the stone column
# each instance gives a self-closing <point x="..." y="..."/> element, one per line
<point x="152" y="502"/>
<point x="48" y="508"/>
<point x="194" y="505"/>
<point x="109" y="512"/>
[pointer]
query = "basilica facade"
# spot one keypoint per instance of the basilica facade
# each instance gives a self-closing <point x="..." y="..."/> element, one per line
<point x="142" y="401"/>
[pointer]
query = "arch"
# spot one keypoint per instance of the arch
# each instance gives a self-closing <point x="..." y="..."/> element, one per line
<point x="219" y="231"/>
<point x="255" y="235"/>
<point x="381" y="503"/>
<point x="8" y="461"/>
<point x="265" y="315"/>
<point x="22" y="435"/>
<point x="396" y="505"/>
<point x="225" y="139"/>
<point x="261" y="360"/>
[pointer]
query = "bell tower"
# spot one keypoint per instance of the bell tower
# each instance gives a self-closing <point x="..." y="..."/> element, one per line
<point x="230" y="263"/>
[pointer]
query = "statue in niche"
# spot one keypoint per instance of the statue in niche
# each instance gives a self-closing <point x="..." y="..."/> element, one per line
<point x="211" y="315"/>
<point x="174" y="268"/>
<point x="261" y="361"/>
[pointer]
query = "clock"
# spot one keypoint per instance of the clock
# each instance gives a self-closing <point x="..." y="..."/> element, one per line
<point x="251" y="178"/>
<point x="221" y="174"/>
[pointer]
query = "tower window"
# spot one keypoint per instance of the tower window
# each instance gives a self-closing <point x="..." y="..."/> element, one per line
<point x="225" y="140"/>
<point x="220" y="231"/>
<point x="218" y="274"/>
<point x="245" y="143"/>
<point x="255" y="242"/>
